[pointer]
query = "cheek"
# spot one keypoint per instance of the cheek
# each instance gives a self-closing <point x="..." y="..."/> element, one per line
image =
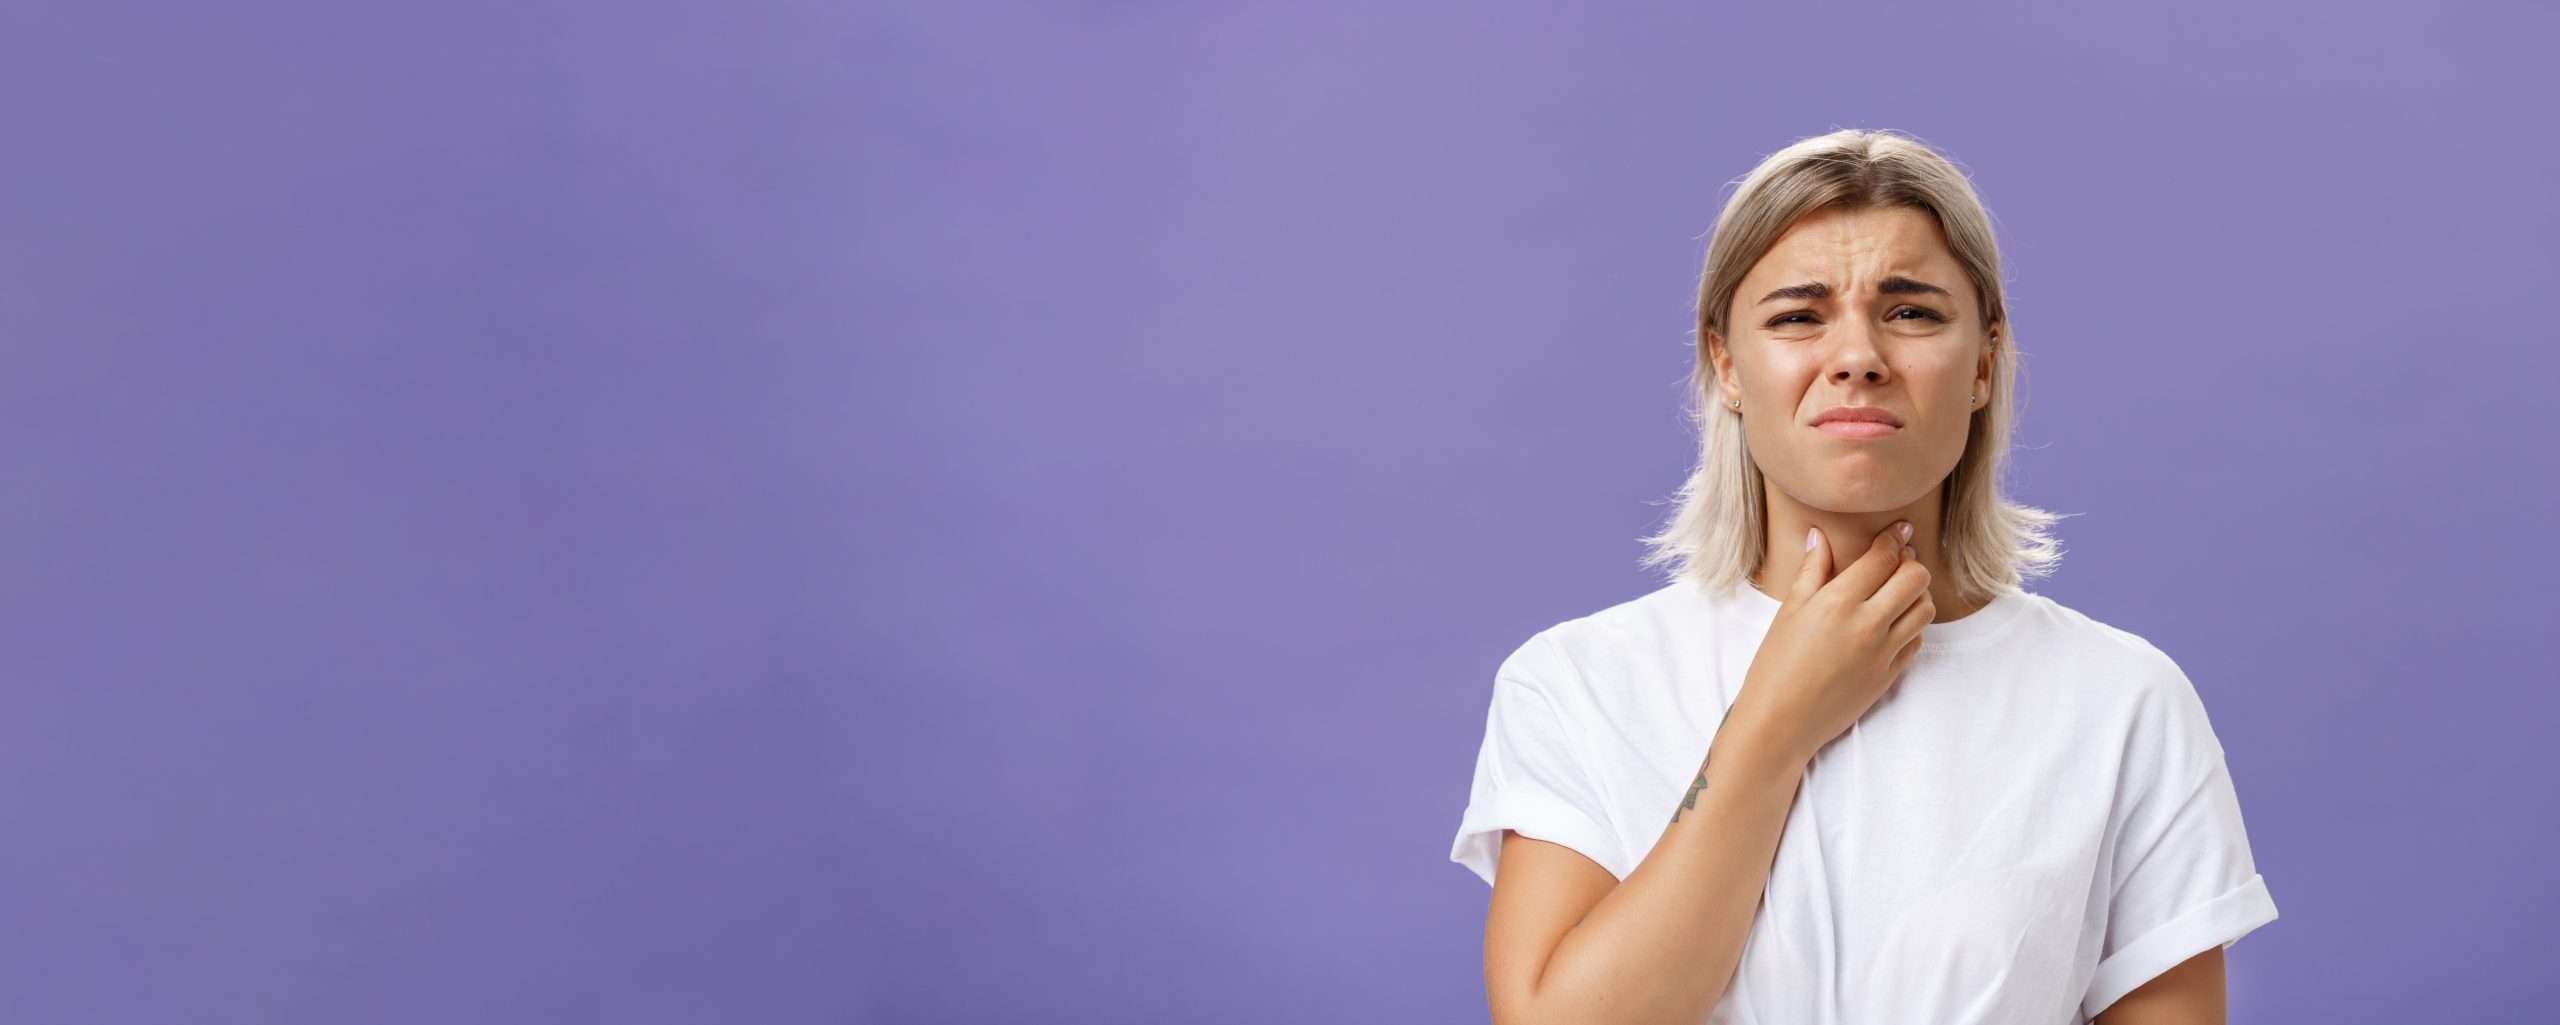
<point x="1784" y="373"/>
<point x="1934" y="377"/>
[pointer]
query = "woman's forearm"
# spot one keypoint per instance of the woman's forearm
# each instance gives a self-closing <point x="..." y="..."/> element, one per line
<point x="1661" y="947"/>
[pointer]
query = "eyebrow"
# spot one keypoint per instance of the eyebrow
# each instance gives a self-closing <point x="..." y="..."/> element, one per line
<point x="1895" y="285"/>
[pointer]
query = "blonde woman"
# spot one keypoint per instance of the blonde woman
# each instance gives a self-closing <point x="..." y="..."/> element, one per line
<point x="1844" y="768"/>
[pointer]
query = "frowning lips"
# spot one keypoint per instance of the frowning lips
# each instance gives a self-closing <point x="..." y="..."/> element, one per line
<point x="1865" y="414"/>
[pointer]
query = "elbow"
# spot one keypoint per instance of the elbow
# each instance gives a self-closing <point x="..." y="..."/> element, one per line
<point x="1519" y="1004"/>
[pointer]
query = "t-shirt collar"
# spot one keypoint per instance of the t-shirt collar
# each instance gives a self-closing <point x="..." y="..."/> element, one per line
<point x="1983" y="625"/>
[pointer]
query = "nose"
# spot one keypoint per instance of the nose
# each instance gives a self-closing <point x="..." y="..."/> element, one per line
<point x="1856" y="357"/>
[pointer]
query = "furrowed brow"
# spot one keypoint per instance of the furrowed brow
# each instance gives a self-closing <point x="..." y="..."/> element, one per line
<point x="1899" y="285"/>
<point x="1895" y="285"/>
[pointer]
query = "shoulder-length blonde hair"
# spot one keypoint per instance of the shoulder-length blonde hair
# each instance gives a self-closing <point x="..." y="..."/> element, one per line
<point x="1719" y="536"/>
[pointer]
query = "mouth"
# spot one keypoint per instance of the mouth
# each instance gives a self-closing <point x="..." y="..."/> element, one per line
<point x="1856" y="428"/>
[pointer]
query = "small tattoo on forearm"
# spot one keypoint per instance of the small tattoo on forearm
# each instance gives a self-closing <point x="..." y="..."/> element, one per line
<point x="1691" y="801"/>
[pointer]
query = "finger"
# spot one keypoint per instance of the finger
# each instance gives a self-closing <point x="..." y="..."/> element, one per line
<point x="1907" y="585"/>
<point x="1902" y="659"/>
<point x="1815" y="569"/>
<point x="1908" y="626"/>
<point x="1859" y="580"/>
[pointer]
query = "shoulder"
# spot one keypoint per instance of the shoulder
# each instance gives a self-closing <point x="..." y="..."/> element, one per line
<point x="2144" y="691"/>
<point x="1568" y="659"/>
<point x="2102" y="654"/>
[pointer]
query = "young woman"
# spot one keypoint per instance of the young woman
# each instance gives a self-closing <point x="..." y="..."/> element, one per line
<point x="1844" y="768"/>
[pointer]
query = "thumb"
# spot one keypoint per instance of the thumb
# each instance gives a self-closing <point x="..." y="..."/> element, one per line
<point x="1815" y="570"/>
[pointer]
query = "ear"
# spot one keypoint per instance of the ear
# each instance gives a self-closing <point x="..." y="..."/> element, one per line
<point x="1720" y="357"/>
<point x="1983" y="371"/>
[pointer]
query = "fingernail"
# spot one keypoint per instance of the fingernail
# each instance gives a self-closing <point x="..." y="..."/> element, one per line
<point x="1811" y="535"/>
<point x="1906" y="530"/>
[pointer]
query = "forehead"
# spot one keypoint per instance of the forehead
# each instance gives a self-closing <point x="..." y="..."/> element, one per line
<point x="1828" y="243"/>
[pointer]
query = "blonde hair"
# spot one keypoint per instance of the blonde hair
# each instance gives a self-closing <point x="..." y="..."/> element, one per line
<point x="1719" y="535"/>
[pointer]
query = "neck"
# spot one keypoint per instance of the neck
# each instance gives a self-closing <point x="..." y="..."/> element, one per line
<point x="1849" y="536"/>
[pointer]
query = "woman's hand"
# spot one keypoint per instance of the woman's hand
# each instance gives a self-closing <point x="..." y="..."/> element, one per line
<point x="1836" y="644"/>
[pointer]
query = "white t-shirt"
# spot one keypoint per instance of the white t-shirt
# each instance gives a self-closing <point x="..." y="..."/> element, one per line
<point x="2033" y="821"/>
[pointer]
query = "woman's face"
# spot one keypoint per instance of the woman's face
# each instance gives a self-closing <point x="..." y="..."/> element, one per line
<point x="1856" y="308"/>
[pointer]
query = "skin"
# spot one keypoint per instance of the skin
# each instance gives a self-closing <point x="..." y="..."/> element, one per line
<point x="1926" y="357"/>
<point x="2189" y="994"/>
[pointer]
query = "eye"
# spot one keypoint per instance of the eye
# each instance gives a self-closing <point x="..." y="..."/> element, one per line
<point x="1924" y="312"/>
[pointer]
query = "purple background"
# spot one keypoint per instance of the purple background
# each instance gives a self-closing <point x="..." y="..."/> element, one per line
<point x="941" y="513"/>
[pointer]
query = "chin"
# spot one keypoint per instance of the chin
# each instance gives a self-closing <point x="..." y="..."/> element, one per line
<point x="1852" y="497"/>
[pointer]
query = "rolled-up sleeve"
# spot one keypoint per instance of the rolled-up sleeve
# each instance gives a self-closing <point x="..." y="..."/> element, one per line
<point x="2183" y="879"/>
<point x="1532" y="773"/>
